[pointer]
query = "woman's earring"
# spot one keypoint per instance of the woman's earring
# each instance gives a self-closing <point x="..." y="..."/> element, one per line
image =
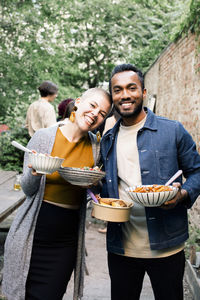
<point x="72" y="116"/>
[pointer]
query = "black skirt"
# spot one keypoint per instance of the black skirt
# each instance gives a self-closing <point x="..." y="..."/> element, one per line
<point x="53" y="254"/>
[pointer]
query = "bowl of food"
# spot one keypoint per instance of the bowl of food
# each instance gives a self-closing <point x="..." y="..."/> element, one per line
<point x="44" y="163"/>
<point x="151" y="195"/>
<point x="85" y="176"/>
<point x="112" y="210"/>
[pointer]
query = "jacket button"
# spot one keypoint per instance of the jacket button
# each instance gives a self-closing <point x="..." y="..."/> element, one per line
<point x="110" y="180"/>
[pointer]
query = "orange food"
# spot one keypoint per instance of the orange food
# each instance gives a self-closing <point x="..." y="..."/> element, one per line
<point x="152" y="189"/>
<point x="111" y="202"/>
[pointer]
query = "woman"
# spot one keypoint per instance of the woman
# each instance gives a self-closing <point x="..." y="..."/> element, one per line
<point x="46" y="239"/>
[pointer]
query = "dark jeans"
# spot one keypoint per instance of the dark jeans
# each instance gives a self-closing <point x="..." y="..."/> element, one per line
<point x="127" y="274"/>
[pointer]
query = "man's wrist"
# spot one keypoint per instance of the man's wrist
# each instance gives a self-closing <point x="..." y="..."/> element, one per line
<point x="184" y="197"/>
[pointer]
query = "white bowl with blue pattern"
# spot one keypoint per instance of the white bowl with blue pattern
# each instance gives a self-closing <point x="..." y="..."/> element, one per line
<point x="151" y="199"/>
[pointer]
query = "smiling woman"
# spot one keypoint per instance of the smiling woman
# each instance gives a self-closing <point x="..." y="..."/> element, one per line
<point x="46" y="239"/>
<point x="90" y="111"/>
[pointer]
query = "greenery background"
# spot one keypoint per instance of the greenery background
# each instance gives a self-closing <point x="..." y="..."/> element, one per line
<point x="76" y="44"/>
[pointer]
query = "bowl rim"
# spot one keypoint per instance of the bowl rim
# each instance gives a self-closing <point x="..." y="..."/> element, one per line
<point x="48" y="156"/>
<point x="79" y="170"/>
<point x="111" y="207"/>
<point x="146" y="185"/>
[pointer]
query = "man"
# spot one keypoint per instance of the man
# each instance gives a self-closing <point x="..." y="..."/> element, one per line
<point x="143" y="148"/>
<point x="41" y="113"/>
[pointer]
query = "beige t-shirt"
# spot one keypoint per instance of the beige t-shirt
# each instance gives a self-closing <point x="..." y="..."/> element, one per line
<point x="40" y="114"/>
<point x="135" y="233"/>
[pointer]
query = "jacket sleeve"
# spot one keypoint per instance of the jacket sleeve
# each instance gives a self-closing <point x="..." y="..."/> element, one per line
<point x="189" y="162"/>
<point x="30" y="184"/>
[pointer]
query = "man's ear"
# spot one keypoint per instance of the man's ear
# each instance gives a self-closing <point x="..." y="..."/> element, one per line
<point x="144" y="93"/>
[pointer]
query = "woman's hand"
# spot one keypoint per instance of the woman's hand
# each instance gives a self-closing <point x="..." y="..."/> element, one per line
<point x="33" y="172"/>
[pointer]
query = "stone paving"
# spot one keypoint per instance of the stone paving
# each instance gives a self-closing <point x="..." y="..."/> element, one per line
<point x="97" y="283"/>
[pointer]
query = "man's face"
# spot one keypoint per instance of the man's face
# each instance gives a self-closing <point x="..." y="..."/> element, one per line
<point x="51" y="98"/>
<point x="127" y="94"/>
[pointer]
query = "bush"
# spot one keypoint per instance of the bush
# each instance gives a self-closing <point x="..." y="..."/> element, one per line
<point x="11" y="159"/>
<point x="194" y="240"/>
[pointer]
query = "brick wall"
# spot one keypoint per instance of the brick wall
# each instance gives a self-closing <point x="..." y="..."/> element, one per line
<point x="174" y="80"/>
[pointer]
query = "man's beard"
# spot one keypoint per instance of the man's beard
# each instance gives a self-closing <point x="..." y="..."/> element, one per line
<point x="131" y="114"/>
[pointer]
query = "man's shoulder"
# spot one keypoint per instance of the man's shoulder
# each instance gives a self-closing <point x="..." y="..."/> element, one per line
<point x="164" y="121"/>
<point x="33" y="104"/>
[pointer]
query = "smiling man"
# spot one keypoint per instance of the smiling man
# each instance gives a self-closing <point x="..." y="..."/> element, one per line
<point x="143" y="148"/>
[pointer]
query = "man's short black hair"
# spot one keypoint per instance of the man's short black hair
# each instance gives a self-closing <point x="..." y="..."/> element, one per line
<point x="48" y="88"/>
<point x="123" y="68"/>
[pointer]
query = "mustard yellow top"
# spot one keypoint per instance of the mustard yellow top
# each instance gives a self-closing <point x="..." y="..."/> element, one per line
<point x="76" y="155"/>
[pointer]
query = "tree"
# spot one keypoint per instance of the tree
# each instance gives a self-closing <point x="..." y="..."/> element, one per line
<point x="76" y="43"/>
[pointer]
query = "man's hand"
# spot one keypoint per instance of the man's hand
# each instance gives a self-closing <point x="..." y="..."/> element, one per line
<point x="180" y="197"/>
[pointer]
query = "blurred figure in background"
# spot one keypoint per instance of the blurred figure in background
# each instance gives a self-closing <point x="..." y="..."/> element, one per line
<point x="65" y="108"/>
<point x="108" y="124"/>
<point x="41" y="113"/>
<point x="111" y="120"/>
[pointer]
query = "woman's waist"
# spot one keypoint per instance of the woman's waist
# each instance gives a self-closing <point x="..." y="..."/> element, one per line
<point x="64" y="196"/>
<point x="63" y="205"/>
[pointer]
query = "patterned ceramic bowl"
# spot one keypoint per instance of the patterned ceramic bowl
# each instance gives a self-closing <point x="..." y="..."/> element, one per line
<point x="151" y="199"/>
<point x="45" y="164"/>
<point x="81" y="177"/>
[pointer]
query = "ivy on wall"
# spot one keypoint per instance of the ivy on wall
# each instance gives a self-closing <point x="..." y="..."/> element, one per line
<point x="192" y="21"/>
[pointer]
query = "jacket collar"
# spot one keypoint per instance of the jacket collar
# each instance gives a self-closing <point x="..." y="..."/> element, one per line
<point x="151" y="121"/>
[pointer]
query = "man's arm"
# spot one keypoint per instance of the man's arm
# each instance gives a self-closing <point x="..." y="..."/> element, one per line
<point x="189" y="162"/>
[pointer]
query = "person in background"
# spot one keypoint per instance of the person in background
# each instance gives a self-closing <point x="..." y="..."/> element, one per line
<point x="109" y="123"/>
<point x="65" y="108"/>
<point x="41" y="113"/>
<point x="111" y="120"/>
<point x="146" y="149"/>
<point x="46" y="240"/>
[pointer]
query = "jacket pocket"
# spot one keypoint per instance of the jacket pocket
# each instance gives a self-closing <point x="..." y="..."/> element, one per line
<point x="166" y="163"/>
<point x="175" y="221"/>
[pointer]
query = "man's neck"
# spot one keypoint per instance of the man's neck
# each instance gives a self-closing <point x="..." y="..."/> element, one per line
<point x="135" y="119"/>
<point x="45" y="98"/>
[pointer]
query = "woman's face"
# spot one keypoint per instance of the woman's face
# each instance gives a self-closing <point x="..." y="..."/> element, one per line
<point x="91" y="111"/>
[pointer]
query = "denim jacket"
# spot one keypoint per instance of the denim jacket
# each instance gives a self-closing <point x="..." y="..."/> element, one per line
<point x="164" y="147"/>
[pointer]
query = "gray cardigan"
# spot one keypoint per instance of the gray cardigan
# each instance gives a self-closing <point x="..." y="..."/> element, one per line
<point x="19" y="241"/>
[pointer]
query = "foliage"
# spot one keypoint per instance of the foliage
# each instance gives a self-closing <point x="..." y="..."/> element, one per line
<point x="192" y="20"/>
<point x="194" y="239"/>
<point x="12" y="158"/>
<point x="76" y="44"/>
